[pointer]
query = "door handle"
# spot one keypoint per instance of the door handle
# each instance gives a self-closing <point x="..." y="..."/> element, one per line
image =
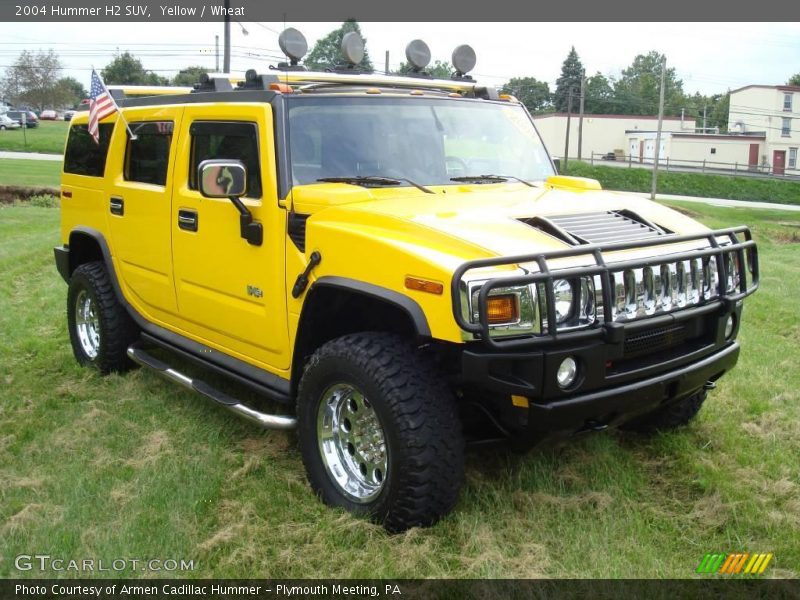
<point x="187" y="220"/>
<point x="117" y="206"/>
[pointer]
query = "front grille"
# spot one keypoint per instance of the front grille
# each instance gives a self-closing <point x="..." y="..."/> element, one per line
<point x="654" y="340"/>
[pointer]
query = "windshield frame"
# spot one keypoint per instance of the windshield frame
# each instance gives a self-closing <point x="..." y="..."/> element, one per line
<point x="281" y="109"/>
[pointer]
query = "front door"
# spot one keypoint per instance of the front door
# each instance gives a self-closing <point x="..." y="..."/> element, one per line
<point x="231" y="294"/>
<point x="778" y="162"/>
<point x="139" y="206"/>
<point x="752" y="159"/>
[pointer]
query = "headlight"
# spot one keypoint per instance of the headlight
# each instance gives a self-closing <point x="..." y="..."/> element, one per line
<point x="574" y="302"/>
<point x="510" y="310"/>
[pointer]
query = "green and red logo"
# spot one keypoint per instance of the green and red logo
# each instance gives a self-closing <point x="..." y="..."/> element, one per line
<point x="735" y="563"/>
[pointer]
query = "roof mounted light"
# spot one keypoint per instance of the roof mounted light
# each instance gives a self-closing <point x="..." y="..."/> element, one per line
<point x="353" y="47"/>
<point x="464" y="59"/>
<point x="418" y="54"/>
<point x="293" y="44"/>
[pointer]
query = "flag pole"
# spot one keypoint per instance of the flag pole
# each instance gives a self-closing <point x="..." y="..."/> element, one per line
<point x="119" y="110"/>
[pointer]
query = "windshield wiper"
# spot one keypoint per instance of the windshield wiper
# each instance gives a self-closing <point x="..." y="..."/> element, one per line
<point x="491" y="179"/>
<point x="368" y="180"/>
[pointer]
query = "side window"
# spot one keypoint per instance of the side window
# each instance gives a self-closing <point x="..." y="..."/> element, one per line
<point x="147" y="156"/>
<point x="83" y="155"/>
<point x="225" y="139"/>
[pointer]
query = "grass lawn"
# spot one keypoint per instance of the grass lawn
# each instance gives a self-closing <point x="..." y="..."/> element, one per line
<point x="25" y="172"/>
<point x="690" y="184"/>
<point x="133" y="466"/>
<point x="48" y="137"/>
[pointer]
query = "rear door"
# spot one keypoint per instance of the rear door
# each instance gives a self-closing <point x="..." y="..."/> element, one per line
<point x="139" y="208"/>
<point x="232" y="294"/>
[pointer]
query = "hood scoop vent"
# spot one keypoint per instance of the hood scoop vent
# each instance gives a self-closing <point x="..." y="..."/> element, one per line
<point x="597" y="227"/>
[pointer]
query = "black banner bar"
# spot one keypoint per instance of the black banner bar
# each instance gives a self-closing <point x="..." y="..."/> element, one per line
<point x="406" y="10"/>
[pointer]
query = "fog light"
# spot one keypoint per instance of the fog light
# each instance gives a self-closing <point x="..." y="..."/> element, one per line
<point x="729" y="327"/>
<point x="567" y="372"/>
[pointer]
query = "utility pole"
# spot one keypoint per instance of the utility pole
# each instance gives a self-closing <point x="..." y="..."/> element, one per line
<point x="226" y="59"/>
<point x="580" y="120"/>
<point x="216" y="50"/>
<point x="569" y="116"/>
<point x="704" y="119"/>
<point x="660" y="122"/>
<point x="386" y="70"/>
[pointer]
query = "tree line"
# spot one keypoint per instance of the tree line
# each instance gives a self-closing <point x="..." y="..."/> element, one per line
<point x="35" y="80"/>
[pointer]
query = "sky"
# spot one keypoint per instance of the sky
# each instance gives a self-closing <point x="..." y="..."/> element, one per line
<point x="710" y="58"/>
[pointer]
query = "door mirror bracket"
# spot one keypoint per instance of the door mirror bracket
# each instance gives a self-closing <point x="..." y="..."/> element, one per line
<point x="221" y="178"/>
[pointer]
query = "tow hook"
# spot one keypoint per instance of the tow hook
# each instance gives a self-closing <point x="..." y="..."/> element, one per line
<point x="301" y="283"/>
<point x="709" y="385"/>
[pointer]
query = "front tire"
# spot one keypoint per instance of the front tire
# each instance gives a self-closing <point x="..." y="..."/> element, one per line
<point x="379" y="431"/>
<point x="672" y="416"/>
<point x="100" y="329"/>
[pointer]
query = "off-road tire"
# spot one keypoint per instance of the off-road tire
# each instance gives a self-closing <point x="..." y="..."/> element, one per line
<point x="673" y="415"/>
<point x="117" y="330"/>
<point x="418" y="415"/>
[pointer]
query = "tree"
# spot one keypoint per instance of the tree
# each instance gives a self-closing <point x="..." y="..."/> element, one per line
<point x="33" y="80"/>
<point x="73" y="89"/>
<point x="126" y="69"/>
<point x="571" y="74"/>
<point x="794" y="79"/>
<point x="189" y="75"/>
<point x="438" y="70"/>
<point x="637" y="91"/>
<point x="599" y="95"/>
<point x="534" y="94"/>
<point x="327" y="52"/>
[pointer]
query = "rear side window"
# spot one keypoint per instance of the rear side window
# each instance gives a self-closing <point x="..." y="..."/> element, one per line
<point x="147" y="156"/>
<point x="225" y="139"/>
<point x="83" y="156"/>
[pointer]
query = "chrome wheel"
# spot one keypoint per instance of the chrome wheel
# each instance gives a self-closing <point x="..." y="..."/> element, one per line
<point x="87" y="324"/>
<point x="352" y="442"/>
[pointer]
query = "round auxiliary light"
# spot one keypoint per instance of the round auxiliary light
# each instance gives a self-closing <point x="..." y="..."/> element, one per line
<point x="418" y="54"/>
<point x="353" y="47"/>
<point x="293" y="44"/>
<point x="567" y="372"/>
<point x="729" y="327"/>
<point x="464" y="59"/>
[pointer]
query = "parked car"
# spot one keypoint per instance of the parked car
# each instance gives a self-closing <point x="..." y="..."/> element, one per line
<point x="48" y="115"/>
<point x="68" y="114"/>
<point x="31" y="120"/>
<point x="7" y="123"/>
<point x="347" y="253"/>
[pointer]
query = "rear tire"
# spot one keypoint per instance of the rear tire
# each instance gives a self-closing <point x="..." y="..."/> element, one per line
<point x="379" y="431"/>
<point x="100" y="329"/>
<point x="673" y="415"/>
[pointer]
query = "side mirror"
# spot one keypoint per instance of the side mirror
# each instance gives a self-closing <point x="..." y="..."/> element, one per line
<point x="221" y="178"/>
<point x="557" y="165"/>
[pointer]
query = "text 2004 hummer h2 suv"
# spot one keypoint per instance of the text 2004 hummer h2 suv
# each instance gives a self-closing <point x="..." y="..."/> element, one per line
<point x="396" y="260"/>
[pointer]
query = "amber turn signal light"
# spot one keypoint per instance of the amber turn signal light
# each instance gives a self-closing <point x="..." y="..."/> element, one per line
<point x="424" y="285"/>
<point x="502" y="309"/>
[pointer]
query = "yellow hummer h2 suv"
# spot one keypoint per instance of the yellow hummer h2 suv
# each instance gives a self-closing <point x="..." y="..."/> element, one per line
<point x="397" y="262"/>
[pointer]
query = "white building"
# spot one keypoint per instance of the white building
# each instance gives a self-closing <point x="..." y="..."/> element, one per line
<point x="601" y="133"/>
<point x="774" y="110"/>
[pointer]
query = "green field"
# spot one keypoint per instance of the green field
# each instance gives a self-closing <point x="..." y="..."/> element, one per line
<point x="35" y="173"/>
<point x="133" y="466"/>
<point x="690" y="184"/>
<point x="48" y="137"/>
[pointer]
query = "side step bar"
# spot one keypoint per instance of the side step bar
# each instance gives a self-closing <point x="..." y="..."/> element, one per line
<point x="139" y="356"/>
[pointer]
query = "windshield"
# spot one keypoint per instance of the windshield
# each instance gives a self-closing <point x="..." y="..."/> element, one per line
<point x="426" y="140"/>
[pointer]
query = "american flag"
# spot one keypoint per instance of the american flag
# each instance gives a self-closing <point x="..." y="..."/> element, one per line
<point x="101" y="104"/>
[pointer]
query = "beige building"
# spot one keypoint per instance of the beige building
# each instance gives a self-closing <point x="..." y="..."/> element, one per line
<point x="601" y="133"/>
<point x="773" y="110"/>
<point x="698" y="150"/>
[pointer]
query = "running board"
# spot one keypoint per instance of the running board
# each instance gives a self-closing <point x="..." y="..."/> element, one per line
<point x="140" y="357"/>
